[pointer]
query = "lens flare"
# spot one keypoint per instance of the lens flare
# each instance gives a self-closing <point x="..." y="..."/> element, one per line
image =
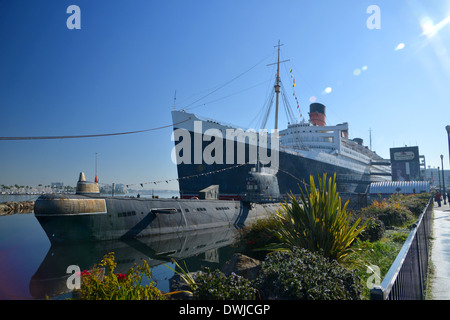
<point x="430" y="29"/>
<point x="400" y="46"/>
<point x="427" y="26"/>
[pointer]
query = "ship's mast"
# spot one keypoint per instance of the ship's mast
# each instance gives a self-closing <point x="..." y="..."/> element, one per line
<point x="277" y="87"/>
<point x="277" y="84"/>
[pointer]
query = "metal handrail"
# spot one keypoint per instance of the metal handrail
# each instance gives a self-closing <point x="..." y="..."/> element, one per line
<point x="406" y="277"/>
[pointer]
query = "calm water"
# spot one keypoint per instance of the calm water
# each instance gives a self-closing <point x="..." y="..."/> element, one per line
<point x="18" y="197"/>
<point x="32" y="268"/>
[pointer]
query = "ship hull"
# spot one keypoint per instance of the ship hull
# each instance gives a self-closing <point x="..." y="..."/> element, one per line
<point x="294" y="170"/>
<point x="81" y="218"/>
<point x="230" y="170"/>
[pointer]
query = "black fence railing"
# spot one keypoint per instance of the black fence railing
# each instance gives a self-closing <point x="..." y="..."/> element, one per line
<point x="407" y="276"/>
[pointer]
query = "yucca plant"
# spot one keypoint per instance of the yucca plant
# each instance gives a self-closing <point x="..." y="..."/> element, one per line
<point x="318" y="222"/>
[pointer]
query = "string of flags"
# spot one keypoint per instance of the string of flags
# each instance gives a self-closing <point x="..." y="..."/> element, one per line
<point x="187" y="177"/>
<point x="293" y="90"/>
<point x="205" y="174"/>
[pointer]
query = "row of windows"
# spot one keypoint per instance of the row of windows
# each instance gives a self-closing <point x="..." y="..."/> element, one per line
<point x="127" y="214"/>
<point x="187" y="210"/>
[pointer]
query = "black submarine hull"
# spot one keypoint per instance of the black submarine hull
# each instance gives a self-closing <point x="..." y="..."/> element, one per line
<point x="82" y="218"/>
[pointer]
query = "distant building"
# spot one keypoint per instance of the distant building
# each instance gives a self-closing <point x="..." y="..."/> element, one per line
<point x="57" y="185"/>
<point x="120" y="188"/>
<point x="407" y="164"/>
<point x="435" y="179"/>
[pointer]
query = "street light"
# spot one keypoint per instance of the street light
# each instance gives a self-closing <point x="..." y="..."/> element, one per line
<point x="439" y="176"/>
<point x="443" y="181"/>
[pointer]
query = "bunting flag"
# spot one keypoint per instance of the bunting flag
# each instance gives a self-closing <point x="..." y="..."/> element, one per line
<point x="204" y="174"/>
<point x="188" y="177"/>
<point x="294" y="84"/>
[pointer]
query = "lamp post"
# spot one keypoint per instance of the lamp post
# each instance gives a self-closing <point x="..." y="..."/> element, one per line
<point x="439" y="176"/>
<point x="448" y="136"/>
<point x="443" y="179"/>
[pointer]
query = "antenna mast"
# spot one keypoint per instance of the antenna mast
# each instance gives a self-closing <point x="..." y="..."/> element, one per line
<point x="96" y="178"/>
<point x="174" y="100"/>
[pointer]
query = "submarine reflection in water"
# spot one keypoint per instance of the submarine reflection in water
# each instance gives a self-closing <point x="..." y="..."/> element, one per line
<point x="51" y="277"/>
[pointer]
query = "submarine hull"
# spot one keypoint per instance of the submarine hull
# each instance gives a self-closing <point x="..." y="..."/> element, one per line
<point x="82" y="218"/>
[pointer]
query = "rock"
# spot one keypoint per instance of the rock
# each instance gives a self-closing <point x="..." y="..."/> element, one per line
<point x="4" y="209"/>
<point x="11" y="207"/>
<point x="242" y="265"/>
<point x="176" y="283"/>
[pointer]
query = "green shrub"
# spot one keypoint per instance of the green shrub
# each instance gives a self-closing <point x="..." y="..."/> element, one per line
<point x="415" y="203"/>
<point x="254" y="238"/>
<point x="390" y="213"/>
<point x="374" y="230"/>
<point x="319" y="222"/>
<point x="301" y="274"/>
<point x="214" y="285"/>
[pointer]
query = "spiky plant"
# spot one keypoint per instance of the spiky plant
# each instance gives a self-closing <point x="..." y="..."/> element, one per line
<point x="318" y="222"/>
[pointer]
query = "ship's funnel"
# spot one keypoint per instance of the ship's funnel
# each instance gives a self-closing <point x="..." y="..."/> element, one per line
<point x="317" y="115"/>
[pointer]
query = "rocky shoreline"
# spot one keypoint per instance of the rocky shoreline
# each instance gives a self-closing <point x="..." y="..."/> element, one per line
<point x="13" y="207"/>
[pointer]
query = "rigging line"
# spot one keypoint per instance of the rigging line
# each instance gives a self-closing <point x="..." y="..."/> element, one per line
<point x="268" y="109"/>
<point x="90" y="135"/>
<point x="269" y="95"/>
<point x="300" y="74"/>
<point x="287" y="106"/>
<point x="226" y="83"/>
<point x="230" y="95"/>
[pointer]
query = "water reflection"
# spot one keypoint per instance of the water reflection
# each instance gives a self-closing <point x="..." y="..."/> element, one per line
<point x="209" y="247"/>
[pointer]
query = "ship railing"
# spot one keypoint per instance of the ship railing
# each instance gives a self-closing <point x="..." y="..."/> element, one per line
<point x="353" y="178"/>
<point x="247" y="197"/>
<point x="407" y="276"/>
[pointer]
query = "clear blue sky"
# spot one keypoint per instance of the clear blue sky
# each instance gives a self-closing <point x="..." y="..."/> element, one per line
<point x="119" y="73"/>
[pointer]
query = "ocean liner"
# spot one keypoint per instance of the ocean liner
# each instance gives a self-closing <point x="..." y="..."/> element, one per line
<point x="211" y="153"/>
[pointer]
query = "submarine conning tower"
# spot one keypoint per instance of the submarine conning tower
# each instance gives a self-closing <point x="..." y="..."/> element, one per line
<point x="86" y="187"/>
<point x="317" y="116"/>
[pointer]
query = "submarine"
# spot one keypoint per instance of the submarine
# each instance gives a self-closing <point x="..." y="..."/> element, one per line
<point x="88" y="216"/>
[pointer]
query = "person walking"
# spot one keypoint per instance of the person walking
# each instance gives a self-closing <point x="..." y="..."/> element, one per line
<point x="438" y="198"/>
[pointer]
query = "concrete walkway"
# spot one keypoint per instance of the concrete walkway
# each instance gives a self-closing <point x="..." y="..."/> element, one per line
<point x="439" y="284"/>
